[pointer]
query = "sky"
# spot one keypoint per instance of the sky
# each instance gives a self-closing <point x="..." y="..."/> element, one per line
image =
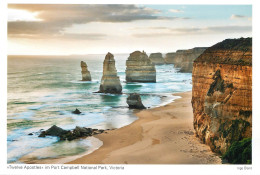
<point x="65" y="29"/>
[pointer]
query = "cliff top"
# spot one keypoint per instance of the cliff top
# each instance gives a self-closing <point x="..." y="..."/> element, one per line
<point x="137" y="53"/>
<point x="109" y="56"/>
<point x="195" y="49"/>
<point x="229" y="51"/>
<point x="83" y="64"/>
<point x="158" y="54"/>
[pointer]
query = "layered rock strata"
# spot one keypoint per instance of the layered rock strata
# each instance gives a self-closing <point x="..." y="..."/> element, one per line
<point x="139" y="68"/>
<point x="183" y="59"/>
<point x="156" y="58"/>
<point x="222" y="93"/>
<point x="134" y="101"/>
<point x="84" y="71"/>
<point x="110" y="82"/>
<point x="169" y="58"/>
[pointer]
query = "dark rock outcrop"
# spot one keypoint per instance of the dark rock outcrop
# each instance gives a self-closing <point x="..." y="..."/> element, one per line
<point x="156" y="58"/>
<point x="139" y="68"/>
<point x="222" y="93"/>
<point x="53" y="131"/>
<point x="84" y="71"/>
<point x="134" y="101"/>
<point x="110" y="82"/>
<point x="76" y="111"/>
<point x="76" y="133"/>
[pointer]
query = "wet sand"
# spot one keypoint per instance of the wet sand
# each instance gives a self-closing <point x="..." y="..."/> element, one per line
<point x="162" y="135"/>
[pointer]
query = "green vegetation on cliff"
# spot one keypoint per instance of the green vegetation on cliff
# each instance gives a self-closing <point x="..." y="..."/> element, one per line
<point x="230" y="51"/>
<point x="240" y="152"/>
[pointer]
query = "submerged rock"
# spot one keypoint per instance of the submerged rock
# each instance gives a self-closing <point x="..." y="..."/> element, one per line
<point x="139" y="68"/>
<point x="76" y="111"/>
<point x="110" y="82"/>
<point x="156" y="58"/>
<point x="84" y="71"/>
<point x="134" y="101"/>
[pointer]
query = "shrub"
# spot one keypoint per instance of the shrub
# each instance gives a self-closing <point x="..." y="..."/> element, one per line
<point x="240" y="152"/>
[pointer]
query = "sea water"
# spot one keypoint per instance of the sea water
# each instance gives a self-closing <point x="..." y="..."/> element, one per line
<point x="44" y="91"/>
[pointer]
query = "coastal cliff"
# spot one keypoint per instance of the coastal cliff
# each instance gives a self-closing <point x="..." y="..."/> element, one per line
<point x="222" y="94"/>
<point x="84" y="71"/>
<point x="139" y="68"/>
<point x="110" y="82"/>
<point x="169" y="58"/>
<point x="183" y="59"/>
<point x="156" y="58"/>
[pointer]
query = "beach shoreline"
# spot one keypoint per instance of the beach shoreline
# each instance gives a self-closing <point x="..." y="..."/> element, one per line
<point x="161" y="135"/>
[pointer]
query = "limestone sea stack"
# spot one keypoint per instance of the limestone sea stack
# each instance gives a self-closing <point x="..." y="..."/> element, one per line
<point x="169" y="58"/>
<point x="222" y="93"/>
<point x="110" y="82"/>
<point x="156" y="58"/>
<point x="139" y="68"/>
<point x="134" y="101"/>
<point x="183" y="59"/>
<point x="84" y="71"/>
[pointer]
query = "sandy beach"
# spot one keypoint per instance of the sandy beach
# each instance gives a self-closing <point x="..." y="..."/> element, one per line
<point x="162" y="135"/>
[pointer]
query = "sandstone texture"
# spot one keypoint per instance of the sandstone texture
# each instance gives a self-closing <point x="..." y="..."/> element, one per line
<point x="134" y="101"/>
<point x="110" y="82"/>
<point x="183" y="59"/>
<point x="222" y="93"/>
<point x="156" y="58"/>
<point x="169" y="58"/>
<point x="84" y="71"/>
<point x="139" y="68"/>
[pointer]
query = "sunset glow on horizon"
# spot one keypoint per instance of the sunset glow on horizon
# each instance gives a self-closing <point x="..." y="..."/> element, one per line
<point x="46" y="29"/>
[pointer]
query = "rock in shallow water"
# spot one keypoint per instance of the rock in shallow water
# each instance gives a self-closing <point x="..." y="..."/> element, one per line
<point x="134" y="101"/>
<point x="69" y="135"/>
<point x="53" y="131"/>
<point x="76" y="111"/>
<point x="110" y="82"/>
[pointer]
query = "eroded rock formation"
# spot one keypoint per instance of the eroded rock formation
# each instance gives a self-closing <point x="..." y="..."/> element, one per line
<point x="222" y="93"/>
<point x="183" y="59"/>
<point x="134" y="101"/>
<point x="169" y="58"/>
<point x="156" y="58"/>
<point x="139" y="68"/>
<point x="84" y="71"/>
<point x="110" y="82"/>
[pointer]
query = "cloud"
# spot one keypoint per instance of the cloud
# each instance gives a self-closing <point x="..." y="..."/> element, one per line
<point x="240" y="17"/>
<point x="193" y="31"/>
<point x="176" y="11"/>
<point x="54" y="18"/>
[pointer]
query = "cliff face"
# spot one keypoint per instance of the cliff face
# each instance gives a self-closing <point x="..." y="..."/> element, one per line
<point x="183" y="59"/>
<point x="110" y="82"/>
<point x="169" y="58"/>
<point x="139" y="68"/>
<point x="84" y="71"/>
<point x="156" y="58"/>
<point x="222" y="93"/>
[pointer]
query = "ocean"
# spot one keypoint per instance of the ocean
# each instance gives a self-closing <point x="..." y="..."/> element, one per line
<point x="43" y="91"/>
